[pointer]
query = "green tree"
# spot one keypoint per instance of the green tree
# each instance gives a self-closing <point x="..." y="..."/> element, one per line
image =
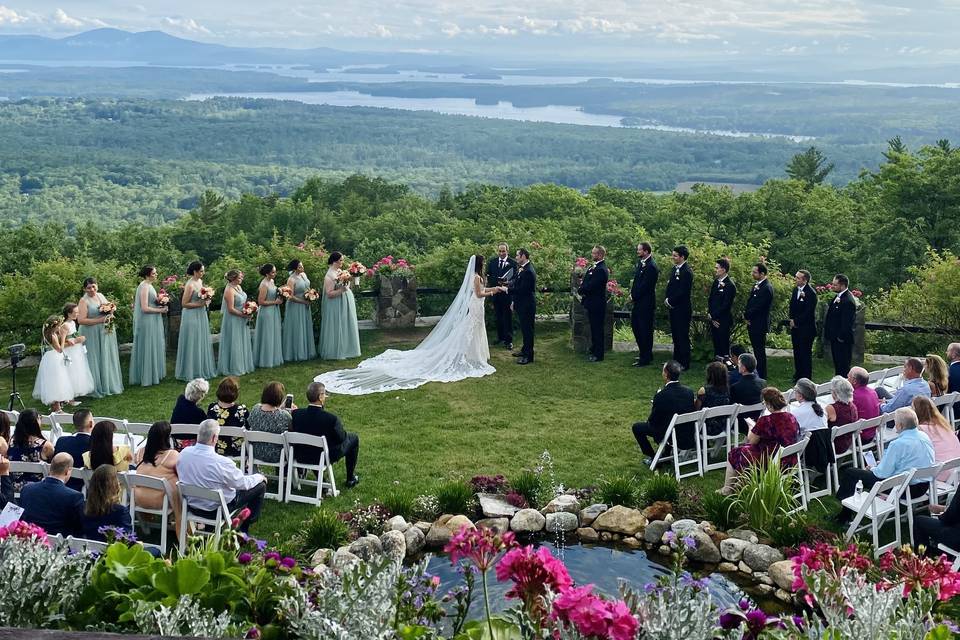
<point x="809" y="167"/>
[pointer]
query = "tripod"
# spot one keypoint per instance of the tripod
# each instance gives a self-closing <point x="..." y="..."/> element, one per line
<point x="14" y="395"/>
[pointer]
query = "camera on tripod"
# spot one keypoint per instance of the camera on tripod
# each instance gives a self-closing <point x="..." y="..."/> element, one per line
<point x="17" y="352"/>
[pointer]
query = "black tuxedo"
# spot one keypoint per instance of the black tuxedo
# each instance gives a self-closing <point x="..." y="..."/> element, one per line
<point x="757" y="312"/>
<point x="679" y="287"/>
<point x="673" y="399"/>
<point x="720" y="308"/>
<point x="523" y="290"/>
<point x="746" y="391"/>
<point x="803" y="312"/>
<point x="501" y="301"/>
<point x="838" y="329"/>
<point x="593" y="297"/>
<point x="316" y="421"/>
<point x="644" y="295"/>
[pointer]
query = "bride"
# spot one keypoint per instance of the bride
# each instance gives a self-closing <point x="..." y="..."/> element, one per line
<point x="456" y="348"/>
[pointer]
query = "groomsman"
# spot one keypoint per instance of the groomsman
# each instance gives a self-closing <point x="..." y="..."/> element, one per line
<point x="680" y="308"/>
<point x="643" y="293"/>
<point x="720" y="306"/>
<point x="499" y="265"/>
<point x="593" y="297"/>
<point x="757" y="315"/>
<point x="803" y="325"/>
<point x="523" y="290"/>
<point x="838" y="325"/>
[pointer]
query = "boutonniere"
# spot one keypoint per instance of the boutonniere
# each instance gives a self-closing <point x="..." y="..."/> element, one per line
<point x="802" y="295"/>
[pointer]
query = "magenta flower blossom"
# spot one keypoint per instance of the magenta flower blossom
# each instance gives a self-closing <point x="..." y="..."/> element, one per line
<point x="480" y="546"/>
<point x="594" y="617"/>
<point x="244" y="558"/>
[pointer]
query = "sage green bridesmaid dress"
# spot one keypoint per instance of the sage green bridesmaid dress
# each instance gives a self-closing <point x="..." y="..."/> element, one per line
<point x="236" y="352"/>
<point x="103" y="356"/>
<point x="194" y="347"/>
<point x="267" y="338"/>
<point x="298" y="340"/>
<point x="339" y="335"/>
<point x="148" y="356"/>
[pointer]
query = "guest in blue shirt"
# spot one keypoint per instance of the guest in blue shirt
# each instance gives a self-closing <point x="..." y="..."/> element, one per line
<point x="78" y="443"/>
<point x="912" y="449"/>
<point x="103" y="504"/>
<point x="913" y="385"/>
<point x="50" y="503"/>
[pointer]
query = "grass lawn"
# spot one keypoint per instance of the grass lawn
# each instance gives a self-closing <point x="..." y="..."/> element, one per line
<point x="580" y="412"/>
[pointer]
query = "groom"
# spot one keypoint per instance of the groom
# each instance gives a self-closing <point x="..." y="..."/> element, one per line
<point x="523" y="290"/>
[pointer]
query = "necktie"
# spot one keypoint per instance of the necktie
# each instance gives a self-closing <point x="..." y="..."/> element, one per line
<point x="503" y="263"/>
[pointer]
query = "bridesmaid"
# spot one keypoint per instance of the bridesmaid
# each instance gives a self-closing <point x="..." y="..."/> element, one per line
<point x="102" y="353"/>
<point x="236" y="353"/>
<point x="194" y="348"/>
<point x="148" y="356"/>
<point x="339" y="336"/>
<point x="298" y="340"/>
<point x="267" y="348"/>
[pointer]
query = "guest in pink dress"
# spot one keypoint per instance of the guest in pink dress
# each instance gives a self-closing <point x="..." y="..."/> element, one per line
<point x="946" y="446"/>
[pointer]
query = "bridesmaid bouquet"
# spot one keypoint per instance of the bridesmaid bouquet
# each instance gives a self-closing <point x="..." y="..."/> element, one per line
<point x="163" y="298"/>
<point x="206" y="293"/>
<point x="108" y="309"/>
<point x="356" y="269"/>
<point x="343" y="278"/>
<point x="249" y="307"/>
<point x="285" y="292"/>
<point x="311" y="295"/>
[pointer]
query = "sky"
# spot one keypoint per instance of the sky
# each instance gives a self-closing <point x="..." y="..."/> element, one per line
<point x="857" y="32"/>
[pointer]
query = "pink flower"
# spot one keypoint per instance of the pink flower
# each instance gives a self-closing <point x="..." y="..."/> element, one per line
<point x="624" y="625"/>
<point x="301" y="246"/>
<point x="532" y="573"/>
<point x="480" y="546"/>
<point x="24" y="531"/>
<point x="585" y="611"/>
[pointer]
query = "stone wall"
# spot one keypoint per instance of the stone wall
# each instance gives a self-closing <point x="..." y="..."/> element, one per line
<point x="397" y="302"/>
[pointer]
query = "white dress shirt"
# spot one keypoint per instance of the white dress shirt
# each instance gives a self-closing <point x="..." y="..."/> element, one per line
<point x="202" y="466"/>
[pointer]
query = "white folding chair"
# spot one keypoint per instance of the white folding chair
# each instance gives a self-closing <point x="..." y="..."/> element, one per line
<point x="947" y="488"/>
<point x="254" y="463"/>
<point x="83" y="474"/>
<point x="875" y="378"/>
<point x="181" y="431"/>
<point x="851" y="430"/>
<point x="951" y="553"/>
<point x="38" y="468"/>
<point x="239" y="434"/>
<point x="322" y="467"/>
<point x="876" y="505"/>
<point x="909" y="502"/>
<point x="796" y="449"/>
<point x="725" y="440"/>
<point x="824" y="389"/>
<point x="83" y="545"/>
<point x="166" y="510"/>
<point x="744" y="411"/>
<point x="141" y="429"/>
<point x="944" y="405"/>
<point x="893" y="378"/>
<point x="789" y="395"/>
<point x="670" y="437"/>
<point x="12" y="415"/>
<point x="806" y="475"/>
<point x="187" y="516"/>
<point x="875" y="445"/>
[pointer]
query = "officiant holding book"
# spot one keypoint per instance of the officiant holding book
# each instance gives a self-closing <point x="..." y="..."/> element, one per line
<point x="500" y="269"/>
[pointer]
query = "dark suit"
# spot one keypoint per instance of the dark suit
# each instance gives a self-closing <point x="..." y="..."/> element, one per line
<point x="757" y="313"/>
<point x="523" y="292"/>
<point x="838" y="329"/>
<point x="316" y="421"/>
<point x="644" y="295"/>
<point x="720" y="306"/>
<point x="673" y="399"/>
<point x="954" y="380"/>
<point x="76" y="445"/>
<point x="746" y="391"/>
<point x="679" y="287"/>
<point x="593" y="297"/>
<point x="803" y="312"/>
<point x="54" y="506"/>
<point x="501" y="301"/>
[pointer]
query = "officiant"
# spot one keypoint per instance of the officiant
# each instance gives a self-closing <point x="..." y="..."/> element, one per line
<point x="501" y="268"/>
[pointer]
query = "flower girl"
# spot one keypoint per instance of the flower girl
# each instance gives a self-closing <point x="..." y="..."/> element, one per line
<point x="75" y="354"/>
<point x="53" y="381"/>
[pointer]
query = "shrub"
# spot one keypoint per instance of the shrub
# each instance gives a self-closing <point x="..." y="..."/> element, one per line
<point x="398" y="501"/>
<point x="516" y="499"/>
<point x="661" y="486"/>
<point x="363" y="520"/>
<point x="425" y="507"/>
<point x="488" y="484"/>
<point x="529" y="484"/>
<point x="623" y="490"/>
<point x="455" y="496"/>
<point x="721" y="510"/>
<point x="324" y="529"/>
<point x="765" y="495"/>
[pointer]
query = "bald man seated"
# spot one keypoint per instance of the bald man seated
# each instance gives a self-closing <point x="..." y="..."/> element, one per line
<point x="51" y="504"/>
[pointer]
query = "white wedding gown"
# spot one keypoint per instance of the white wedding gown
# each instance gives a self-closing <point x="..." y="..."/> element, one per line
<point x="456" y="349"/>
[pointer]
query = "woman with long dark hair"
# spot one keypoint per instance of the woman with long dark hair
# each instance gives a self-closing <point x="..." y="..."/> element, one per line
<point x="28" y="445"/>
<point x="298" y="340"/>
<point x="235" y="356"/>
<point x="95" y="318"/>
<point x="195" y="348"/>
<point x="158" y="460"/>
<point x="103" y="451"/>
<point x="148" y="359"/>
<point x="267" y="338"/>
<point x="339" y="335"/>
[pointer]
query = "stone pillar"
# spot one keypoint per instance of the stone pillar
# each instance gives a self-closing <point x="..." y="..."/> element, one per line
<point x="580" y="328"/>
<point x="859" y="335"/>
<point x="173" y="322"/>
<point x="397" y="302"/>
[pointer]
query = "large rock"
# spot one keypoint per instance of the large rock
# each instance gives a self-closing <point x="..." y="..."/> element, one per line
<point x="588" y="515"/>
<point x="528" y="521"/>
<point x="439" y="533"/>
<point x="415" y="540"/>
<point x="499" y="525"/>
<point x="396" y="523"/>
<point x="423" y="526"/>
<point x="620" y="519"/>
<point x="494" y="506"/>
<point x="343" y="560"/>
<point x="588" y="534"/>
<point x="684" y="527"/>
<point x="561" y="521"/>
<point x="704" y="550"/>
<point x="654" y="531"/>
<point x="394" y="545"/>
<point x="366" y="548"/>
<point x="321" y="557"/>
<point x="782" y="574"/>
<point x="658" y="510"/>
<point x="630" y="542"/>
<point x="727" y="567"/>
<point x="744" y="534"/>
<point x="565" y="503"/>
<point x="759" y="557"/>
<point x="732" y="549"/>
<point x="459" y="522"/>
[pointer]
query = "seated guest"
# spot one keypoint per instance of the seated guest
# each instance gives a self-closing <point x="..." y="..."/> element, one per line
<point x="812" y="420"/>
<point x="6" y="485"/>
<point x="103" y="451"/>
<point x="200" y="465"/>
<point x="913" y="385"/>
<point x="51" y="504"/>
<point x="865" y="399"/>
<point x="841" y="411"/>
<point x="78" y="443"/>
<point x="733" y="363"/>
<point x="912" y="449"/>
<point x="156" y="459"/>
<point x="715" y="393"/>
<point x="272" y="416"/>
<point x="946" y="446"/>
<point x="672" y="399"/>
<point x="953" y="354"/>
<point x="938" y="378"/>
<point x="931" y="531"/>
<point x="103" y="507"/>
<point x="228" y="413"/>
<point x="315" y="420"/>
<point x="776" y="429"/>
<point x="187" y="411"/>
<point x="28" y="445"/>
<point x="4" y="433"/>
<point x="746" y="390"/>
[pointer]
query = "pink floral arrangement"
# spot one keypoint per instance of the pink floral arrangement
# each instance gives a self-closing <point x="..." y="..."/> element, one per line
<point x="580" y="266"/>
<point x="532" y="573"/>
<point x="910" y="571"/>
<point x="169" y="280"/>
<point x="163" y="298"/>
<point x="826" y="557"/>
<point x="24" y="531"/>
<point x="594" y="617"/>
<point x="481" y="546"/>
<point x="356" y="269"/>
<point x="249" y="307"/>
<point x="311" y="294"/>
<point x="285" y="292"/>
<point x="388" y="265"/>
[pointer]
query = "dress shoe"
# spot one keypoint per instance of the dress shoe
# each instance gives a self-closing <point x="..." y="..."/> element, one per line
<point x="352" y="482"/>
<point x="517" y="354"/>
<point x="592" y="358"/>
<point x="508" y="346"/>
<point x="524" y="361"/>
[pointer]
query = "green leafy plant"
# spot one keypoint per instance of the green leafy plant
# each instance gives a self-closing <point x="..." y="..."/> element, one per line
<point x="324" y="529"/>
<point x="455" y="496"/>
<point x="721" y="510"/>
<point x="621" y="489"/>
<point x="661" y="486"/>
<point x="765" y="495"/>
<point x="529" y="484"/>
<point x="398" y="501"/>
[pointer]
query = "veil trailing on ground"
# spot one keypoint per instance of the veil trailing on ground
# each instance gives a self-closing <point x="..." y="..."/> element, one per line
<point x="456" y="349"/>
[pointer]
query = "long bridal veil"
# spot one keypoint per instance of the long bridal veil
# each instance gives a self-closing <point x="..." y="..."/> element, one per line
<point x="456" y="349"/>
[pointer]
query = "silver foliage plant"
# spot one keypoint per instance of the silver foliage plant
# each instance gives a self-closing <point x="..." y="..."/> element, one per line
<point x="673" y="612"/>
<point x="186" y="618"/>
<point x="357" y="604"/>
<point x="41" y="584"/>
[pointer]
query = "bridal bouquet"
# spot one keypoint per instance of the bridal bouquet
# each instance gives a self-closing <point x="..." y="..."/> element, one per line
<point x="163" y="298"/>
<point x="108" y="309"/>
<point x="206" y="293"/>
<point x="311" y="295"/>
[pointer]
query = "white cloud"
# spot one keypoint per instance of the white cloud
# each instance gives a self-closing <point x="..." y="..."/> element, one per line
<point x="61" y="18"/>
<point x="380" y="31"/>
<point x="10" y="17"/>
<point x="185" y="25"/>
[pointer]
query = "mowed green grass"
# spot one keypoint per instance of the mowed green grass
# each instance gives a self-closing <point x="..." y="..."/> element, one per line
<point x="578" y="411"/>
